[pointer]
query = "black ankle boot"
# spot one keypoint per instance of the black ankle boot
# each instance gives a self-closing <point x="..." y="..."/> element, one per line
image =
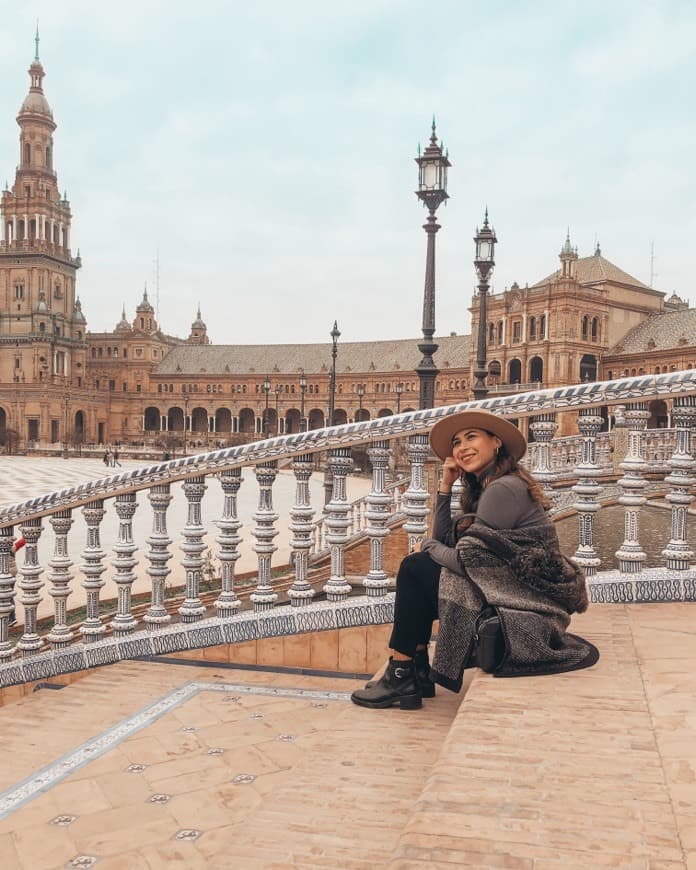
<point x="422" y="665"/>
<point x="397" y="686"/>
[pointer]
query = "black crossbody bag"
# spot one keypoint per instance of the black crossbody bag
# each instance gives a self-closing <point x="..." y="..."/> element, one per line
<point x="489" y="643"/>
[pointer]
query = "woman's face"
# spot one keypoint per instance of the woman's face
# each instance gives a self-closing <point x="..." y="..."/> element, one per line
<point x="474" y="449"/>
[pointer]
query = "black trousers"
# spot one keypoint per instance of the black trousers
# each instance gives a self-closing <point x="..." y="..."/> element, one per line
<point x="415" y="608"/>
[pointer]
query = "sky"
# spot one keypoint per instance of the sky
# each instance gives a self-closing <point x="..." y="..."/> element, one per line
<point x="263" y="153"/>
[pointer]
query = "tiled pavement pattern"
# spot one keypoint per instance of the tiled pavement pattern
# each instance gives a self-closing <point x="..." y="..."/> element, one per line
<point x="590" y="769"/>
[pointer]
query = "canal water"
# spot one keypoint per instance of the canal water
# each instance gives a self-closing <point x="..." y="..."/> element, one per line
<point x="654" y="533"/>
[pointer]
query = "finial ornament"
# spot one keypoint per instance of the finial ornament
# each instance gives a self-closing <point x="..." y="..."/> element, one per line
<point x="485" y="218"/>
<point x="36" y="40"/>
<point x="598" y="251"/>
<point x="198" y="312"/>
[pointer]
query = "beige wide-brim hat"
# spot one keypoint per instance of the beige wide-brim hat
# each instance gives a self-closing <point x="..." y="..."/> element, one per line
<point x="442" y="433"/>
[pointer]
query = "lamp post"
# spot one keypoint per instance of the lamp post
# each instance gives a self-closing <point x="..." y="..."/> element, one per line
<point x="432" y="191"/>
<point x="335" y="335"/>
<point x="303" y="390"/>
<point x="485" y="260"/>
<point x="361" y="394"/>
<point x="278" y="391"/>
<point x="267" y="389"/>
<point x="66" y="400"/>
<point x="186" y="404"/>
<point x="399" y="391"/>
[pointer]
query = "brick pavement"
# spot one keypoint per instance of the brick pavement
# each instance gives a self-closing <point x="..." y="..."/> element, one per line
<point x="595" y="768"/>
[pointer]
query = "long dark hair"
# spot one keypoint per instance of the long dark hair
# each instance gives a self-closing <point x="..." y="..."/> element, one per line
<point x="503" y="464"/>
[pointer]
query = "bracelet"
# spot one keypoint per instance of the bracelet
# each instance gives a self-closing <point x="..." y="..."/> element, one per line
<point x="439" y="492"/>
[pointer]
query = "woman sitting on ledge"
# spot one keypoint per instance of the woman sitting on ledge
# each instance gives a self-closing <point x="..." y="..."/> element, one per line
<point x="495" y="576"/>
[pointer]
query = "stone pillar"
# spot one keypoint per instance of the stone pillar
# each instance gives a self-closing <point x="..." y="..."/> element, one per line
<point x="30" y="584"/>
<point x="124" y="621"/>
<point x="159" y="554"/>
<point x="301" y="526"/>
<point x="229" y="539"/>
<point x="7" y="582"/>
<point x="193" y="609"/>
<point x="264" y="531"/>
<point x="543" y="427"/>
<point x="677" y="553"/>
<point x="377" y="514"/>
<point x="60" y="577"/>
<point x="416" y="497"/>
<point x="92" y="568"/>
<point x="587" y="490"/>
<point x="336" y="520"/>
<point x="630" y="554"/>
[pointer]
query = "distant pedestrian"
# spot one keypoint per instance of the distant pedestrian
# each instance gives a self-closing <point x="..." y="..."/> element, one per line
<point x="107" y="458"/>
<point x="116" y="462"/>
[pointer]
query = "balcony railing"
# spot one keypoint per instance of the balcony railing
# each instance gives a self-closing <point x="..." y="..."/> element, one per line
<point x="129" y="634"/>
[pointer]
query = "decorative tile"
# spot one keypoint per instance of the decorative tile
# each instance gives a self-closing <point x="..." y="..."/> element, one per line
<point x="101" y="653"/>
<point x="189" y="834"/>
<point x="42" y="780"/>
<point x="243" y="778"/>
<point x="169" y="641"/>
<point x="135" y="647"/>
<point x="210" y="635"/>
<point x="39" y="667"/>
<point x="63" y="821"/>
<point x="67" y="661"/>
<point x="159" y="798"/>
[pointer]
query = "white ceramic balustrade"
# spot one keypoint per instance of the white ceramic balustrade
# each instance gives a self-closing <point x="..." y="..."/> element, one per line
<point x="155" y="630"/>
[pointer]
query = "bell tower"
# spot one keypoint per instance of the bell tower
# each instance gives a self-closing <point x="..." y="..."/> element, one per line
<point x="42" y="329"/>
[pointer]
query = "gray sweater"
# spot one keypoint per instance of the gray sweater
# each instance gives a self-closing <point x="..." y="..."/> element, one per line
<point x="504" y="504"/>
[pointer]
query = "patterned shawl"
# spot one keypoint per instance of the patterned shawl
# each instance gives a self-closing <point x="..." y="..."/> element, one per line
<point x="534" y="588"/>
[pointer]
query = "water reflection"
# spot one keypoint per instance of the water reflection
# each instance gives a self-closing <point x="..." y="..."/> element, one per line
<point x="654" y="532"/>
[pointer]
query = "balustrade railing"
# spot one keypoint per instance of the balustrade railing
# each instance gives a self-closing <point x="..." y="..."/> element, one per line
<point x="222" y="618"/>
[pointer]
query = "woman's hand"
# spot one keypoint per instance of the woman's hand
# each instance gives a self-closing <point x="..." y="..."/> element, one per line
<point x="451" y="472"/>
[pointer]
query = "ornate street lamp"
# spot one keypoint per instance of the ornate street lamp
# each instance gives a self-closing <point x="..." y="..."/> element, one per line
<point x="399" y="391"/>
<point x="335" y="335"/>
<point x="66" y="400"/>
<point x="361" y="394"/>
<point x="278" y="391"/>
<point x="485" y="260"/>
<point x="267" y="390"/>
<point x="303" y="390"/>
<point x="186" y="404"/>
<point x="432" y="191"/>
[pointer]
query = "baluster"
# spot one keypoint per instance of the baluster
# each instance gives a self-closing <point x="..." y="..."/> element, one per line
<point x="228" y="602"/>
<point x="30" y="584"/>
<point x="92" y="568"/>
<point x="60" y="635"/>
<point x="7" y="582"/>
<point x="263" y="597"/>
<point x="301" y="517"/>
<point x="158" y="555"/>
<point x="416" y="497"/>
<point x="377" y="515"/>
<point x="336" y="521"/>
<point x="352" y="521"/>
<point x="124" y="621"/>
<point x="677" y="553"/>
<point x="587" y="490"/>
<point x="193" y="609"/>
<point x="543" y="427"/>
<point x="632" y="484"/>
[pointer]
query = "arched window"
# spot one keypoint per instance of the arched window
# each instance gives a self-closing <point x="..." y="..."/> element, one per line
<point x="595" y="328"/>
<point x="532" y="328"/>
<point x="500" y="332"/>
<point x="542" y="327"/>
<point x="27" y="153"/>
<point x="491" y="333"/>
<point x="585" y="328"/>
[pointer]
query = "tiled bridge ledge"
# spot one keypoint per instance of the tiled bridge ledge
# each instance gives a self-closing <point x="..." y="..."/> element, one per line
<point x="391" y="517"/>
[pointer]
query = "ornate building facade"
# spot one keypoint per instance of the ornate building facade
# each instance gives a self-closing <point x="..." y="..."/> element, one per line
<point x="60" y="383"/>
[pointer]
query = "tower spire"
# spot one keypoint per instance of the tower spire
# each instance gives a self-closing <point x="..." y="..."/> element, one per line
<point x="36" y="41"/>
